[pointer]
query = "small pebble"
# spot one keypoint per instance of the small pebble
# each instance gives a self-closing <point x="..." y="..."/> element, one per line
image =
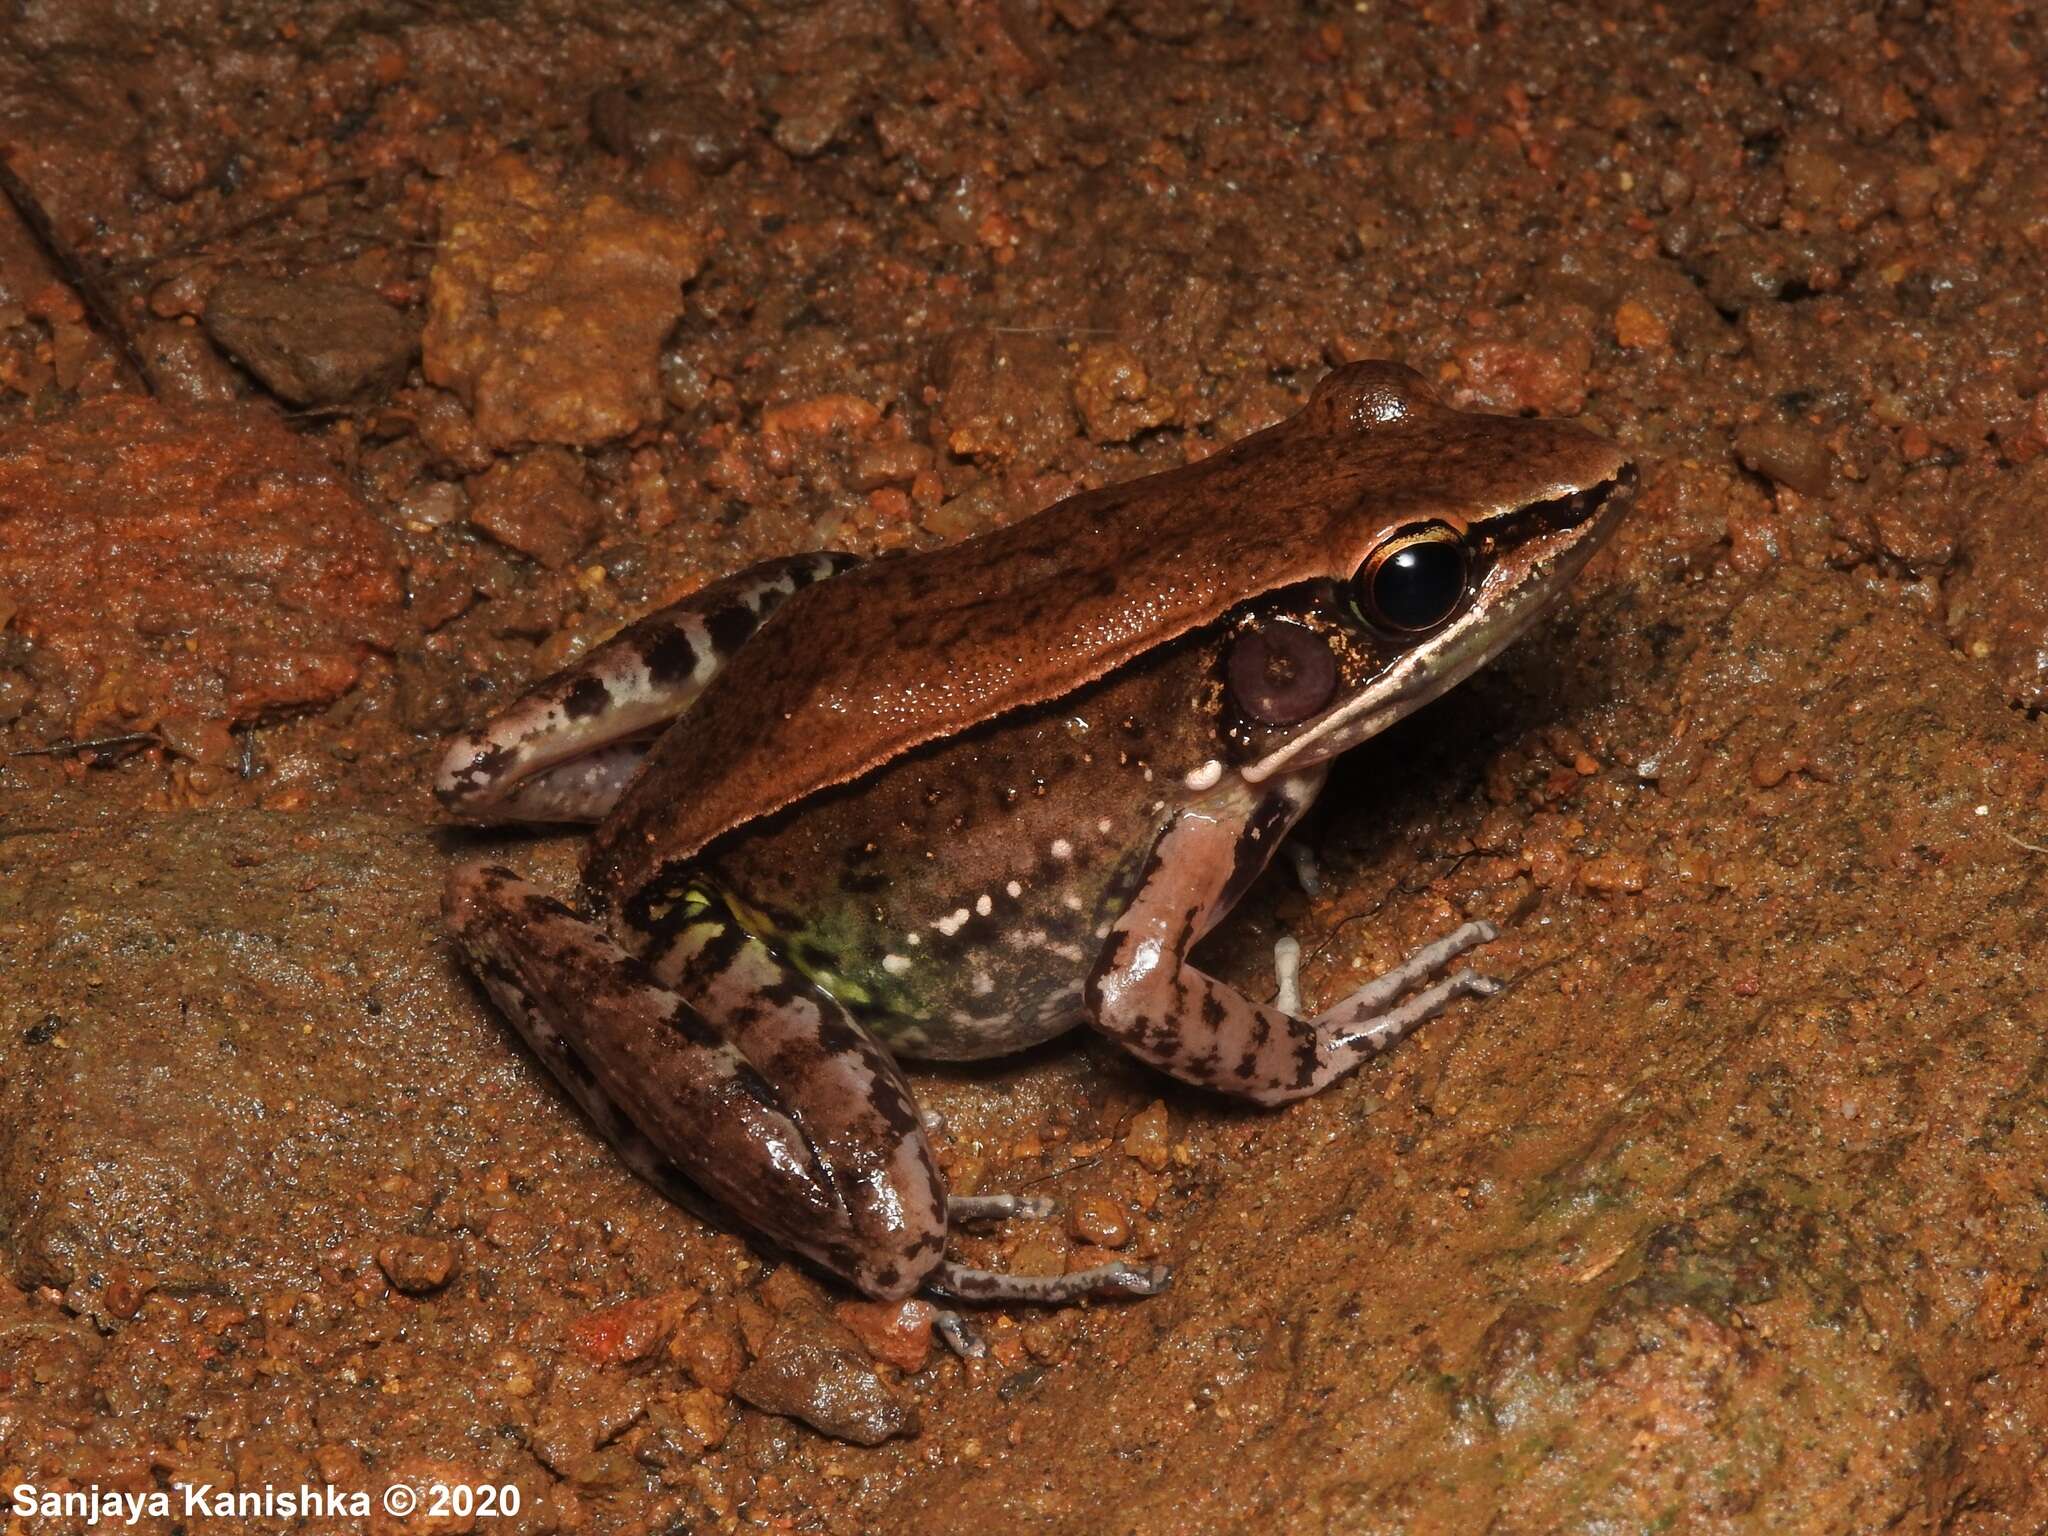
<point x="711" y="1351"/>
<point x="626" y="1331"/>
<point x="417" y="1265"/>
<point x="1145" y="1139"/>
<point x="897" y="1333"/>
<point x="1099" y="1220"/>
<point x="1789" y="455"/>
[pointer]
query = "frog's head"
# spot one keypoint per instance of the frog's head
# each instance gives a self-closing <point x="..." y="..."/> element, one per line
<point x="1464" y="529"/>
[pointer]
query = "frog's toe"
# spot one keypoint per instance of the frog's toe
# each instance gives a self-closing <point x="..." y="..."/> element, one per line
<point x="1287" y="974"/>
<point x="958" y="1335"/>
<point x="1376" y="1029"/>
<point x="1430" y="960"/>
<point x="961" y="1282"/>
<point x="961" y="1208"/>
<point x="1308" y="872"/>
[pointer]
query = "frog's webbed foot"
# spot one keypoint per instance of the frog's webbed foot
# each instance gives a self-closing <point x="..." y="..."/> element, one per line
<point x="1145" y="995"/>
<point x="567" y="749"/>
<point x="952" y="1281"/>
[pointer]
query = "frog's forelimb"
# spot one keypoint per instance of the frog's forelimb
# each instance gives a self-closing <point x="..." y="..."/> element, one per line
<point x="567" y="750"/>
<point x="1144" y="994"/>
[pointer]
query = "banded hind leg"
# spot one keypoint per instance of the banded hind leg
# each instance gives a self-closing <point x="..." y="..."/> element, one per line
<point x="567" y="748"/>
<point x="775" y="1016"/>
<point x="739" y="1079"/>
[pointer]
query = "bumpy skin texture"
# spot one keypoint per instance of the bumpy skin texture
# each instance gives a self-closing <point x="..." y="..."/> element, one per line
<point x="996" y="789"/>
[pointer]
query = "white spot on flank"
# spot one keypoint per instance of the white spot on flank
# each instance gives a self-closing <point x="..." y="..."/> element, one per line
<point x="984" y="905"/>
<point x="983" y="983"/>
<point x="914" y="938"/>
<point x="1062" y="849"/>
<point x="895" y="965"/>
<point x="1014" y="889"/>
<point x="1071" y="902"/>
<point x="1102" y="826"/>
<point x="952" y="923"/>
<point x="1205" y="777"/>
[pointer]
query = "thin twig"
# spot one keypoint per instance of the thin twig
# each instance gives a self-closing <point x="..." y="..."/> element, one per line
<point x="97" y="744"/>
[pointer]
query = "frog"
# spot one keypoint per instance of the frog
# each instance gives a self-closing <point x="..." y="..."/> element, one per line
<point x="951" y="803"/>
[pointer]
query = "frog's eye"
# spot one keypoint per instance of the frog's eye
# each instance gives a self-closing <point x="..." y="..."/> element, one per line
<point x="1414" y="581"/>
<point x="1281" y="674"/>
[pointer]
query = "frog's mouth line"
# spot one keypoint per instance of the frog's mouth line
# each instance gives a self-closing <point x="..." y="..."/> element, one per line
<point x="1549" y="544"/>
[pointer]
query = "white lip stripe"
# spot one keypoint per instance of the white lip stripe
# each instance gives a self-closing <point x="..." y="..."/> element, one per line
<point x="1442" y="662"/>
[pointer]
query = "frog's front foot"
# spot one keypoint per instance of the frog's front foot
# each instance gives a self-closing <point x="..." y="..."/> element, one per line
<point x="1364" y="1016"/>
<point x="1370" y="1021"/>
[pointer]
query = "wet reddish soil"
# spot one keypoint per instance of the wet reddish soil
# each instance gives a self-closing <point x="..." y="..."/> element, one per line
<point x="360" y="361"/>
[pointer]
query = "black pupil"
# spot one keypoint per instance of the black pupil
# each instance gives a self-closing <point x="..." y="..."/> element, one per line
<point x="1419" y="584"/>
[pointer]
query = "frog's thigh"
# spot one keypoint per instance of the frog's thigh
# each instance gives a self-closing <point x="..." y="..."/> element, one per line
<point x="567" y="749"/>
<point x="770" y="1013"/>
<point x="1145" y="995"/>
<point x="814" y="1141"/>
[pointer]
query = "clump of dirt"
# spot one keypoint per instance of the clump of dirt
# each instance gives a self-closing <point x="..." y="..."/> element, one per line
<point x="182" y="572"/>
<point x="546" y="311"/>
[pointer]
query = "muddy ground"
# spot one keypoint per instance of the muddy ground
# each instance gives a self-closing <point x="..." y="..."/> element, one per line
<point x="360" y="361"/>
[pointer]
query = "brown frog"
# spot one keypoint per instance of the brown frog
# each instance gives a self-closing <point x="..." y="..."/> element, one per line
<point x="950" y="804"/>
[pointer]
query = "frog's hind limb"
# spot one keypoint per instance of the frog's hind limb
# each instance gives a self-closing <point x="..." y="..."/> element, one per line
<point x="567" y="748"/>
<point x="711" y="1066"/>
<point x="1146" y="996"/>
<point x="794" y="1121"/>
